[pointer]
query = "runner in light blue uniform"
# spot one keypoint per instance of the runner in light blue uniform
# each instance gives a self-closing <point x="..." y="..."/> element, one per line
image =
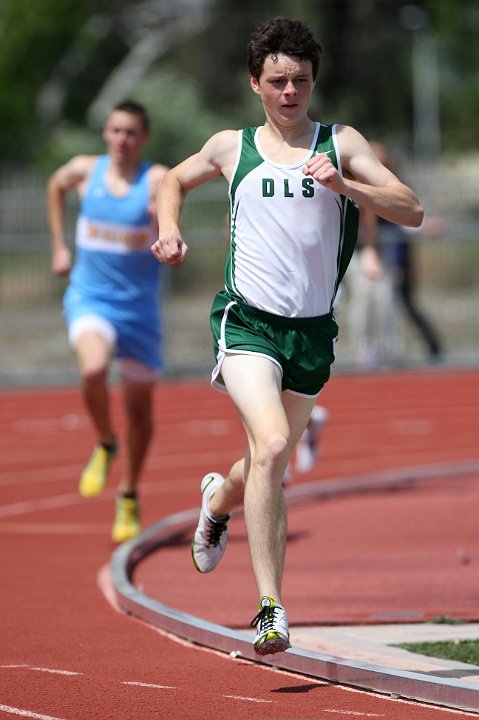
<point x="115" y="277"/>
<point x="112" y="304"/>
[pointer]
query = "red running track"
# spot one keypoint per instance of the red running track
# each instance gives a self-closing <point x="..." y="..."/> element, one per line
<point x="67" y="654"/>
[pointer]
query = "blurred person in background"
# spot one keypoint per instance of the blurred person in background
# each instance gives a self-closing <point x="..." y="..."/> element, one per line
<point x="370" y="290"/>
<point x="405" y="277"/>
<point x="111" y="304"/>
<point x="306" y="452"/>
<point x="294" y="187"/>
<point x="382" y="279"/>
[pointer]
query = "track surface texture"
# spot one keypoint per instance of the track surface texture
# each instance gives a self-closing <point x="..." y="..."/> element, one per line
<point x="400" y="556"/>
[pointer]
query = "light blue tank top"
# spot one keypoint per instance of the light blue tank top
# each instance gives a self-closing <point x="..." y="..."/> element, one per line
<point x="113" y="239"/>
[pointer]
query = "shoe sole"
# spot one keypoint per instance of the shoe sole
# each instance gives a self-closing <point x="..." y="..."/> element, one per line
<point x="207" y="480"/>
<point x="193" y="557"/>
<point x="272" y="644"/>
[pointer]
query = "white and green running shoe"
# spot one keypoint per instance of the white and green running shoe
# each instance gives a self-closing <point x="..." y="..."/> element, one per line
<point x="271" y="623"/>
<point x="211" y="535"/>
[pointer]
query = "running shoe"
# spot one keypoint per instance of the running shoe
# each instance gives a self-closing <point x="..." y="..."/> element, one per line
<point x="209" y="542"/>
<point x="95" y="476"/>
<point x="127" y="523"/>
<point x="307" y="449"/>
<point x="271" y="623"/>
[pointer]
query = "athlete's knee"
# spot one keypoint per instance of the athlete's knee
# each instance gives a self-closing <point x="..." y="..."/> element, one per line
<point x="93" y="362"/>
<point x="273" y="449"/>
<point x="94" y="373"/>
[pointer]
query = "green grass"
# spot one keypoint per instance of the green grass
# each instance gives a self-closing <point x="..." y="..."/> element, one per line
<point x="447" y="620"/>
<point x="466" y="651"/>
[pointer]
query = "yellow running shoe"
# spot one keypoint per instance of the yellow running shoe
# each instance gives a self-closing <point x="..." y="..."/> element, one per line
<point x="127" y="523"/>
<point x="95" y="476"/>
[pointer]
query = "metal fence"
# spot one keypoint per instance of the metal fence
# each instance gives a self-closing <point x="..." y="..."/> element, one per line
<point x="33" y="343"/>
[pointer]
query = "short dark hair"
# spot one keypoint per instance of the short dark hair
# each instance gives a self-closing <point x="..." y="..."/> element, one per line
<point x="134" y="108"/>
<point x="282" y="35"/>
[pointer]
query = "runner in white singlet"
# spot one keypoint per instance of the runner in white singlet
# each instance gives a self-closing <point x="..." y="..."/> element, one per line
<point x="292" y="208"/>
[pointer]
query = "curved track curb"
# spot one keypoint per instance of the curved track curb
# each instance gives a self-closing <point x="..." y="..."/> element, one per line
<point x="411" y="685"/>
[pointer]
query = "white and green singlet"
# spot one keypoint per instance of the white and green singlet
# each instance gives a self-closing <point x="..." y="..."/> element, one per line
<point x="291" y="238"/>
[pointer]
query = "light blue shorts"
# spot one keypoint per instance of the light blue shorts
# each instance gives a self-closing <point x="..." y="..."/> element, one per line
<point x="135" y="336"/>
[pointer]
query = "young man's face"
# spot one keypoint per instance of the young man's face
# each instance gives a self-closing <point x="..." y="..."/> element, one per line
<point x="124" y="135"/>
<point x="285" y="86"/>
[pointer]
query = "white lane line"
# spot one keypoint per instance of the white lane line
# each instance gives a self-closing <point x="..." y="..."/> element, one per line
<point x="32" y="474"/>
<point x="50" y="503"/>
<point x="396" y="700"/>
<point x="356" y="713"/>
<point x="148" y="685"/>
<point x="26" y="713"/>
<point x="247" y="699"/>
<point x="55" y="672"/>
<point x="42" y="528"/>
<point x="67" y="422"/>
<point x="65" y="472"/>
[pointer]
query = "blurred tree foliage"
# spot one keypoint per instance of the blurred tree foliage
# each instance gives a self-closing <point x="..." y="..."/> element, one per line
<point x="57" y="56"/>
<point x="33" y="37"/>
